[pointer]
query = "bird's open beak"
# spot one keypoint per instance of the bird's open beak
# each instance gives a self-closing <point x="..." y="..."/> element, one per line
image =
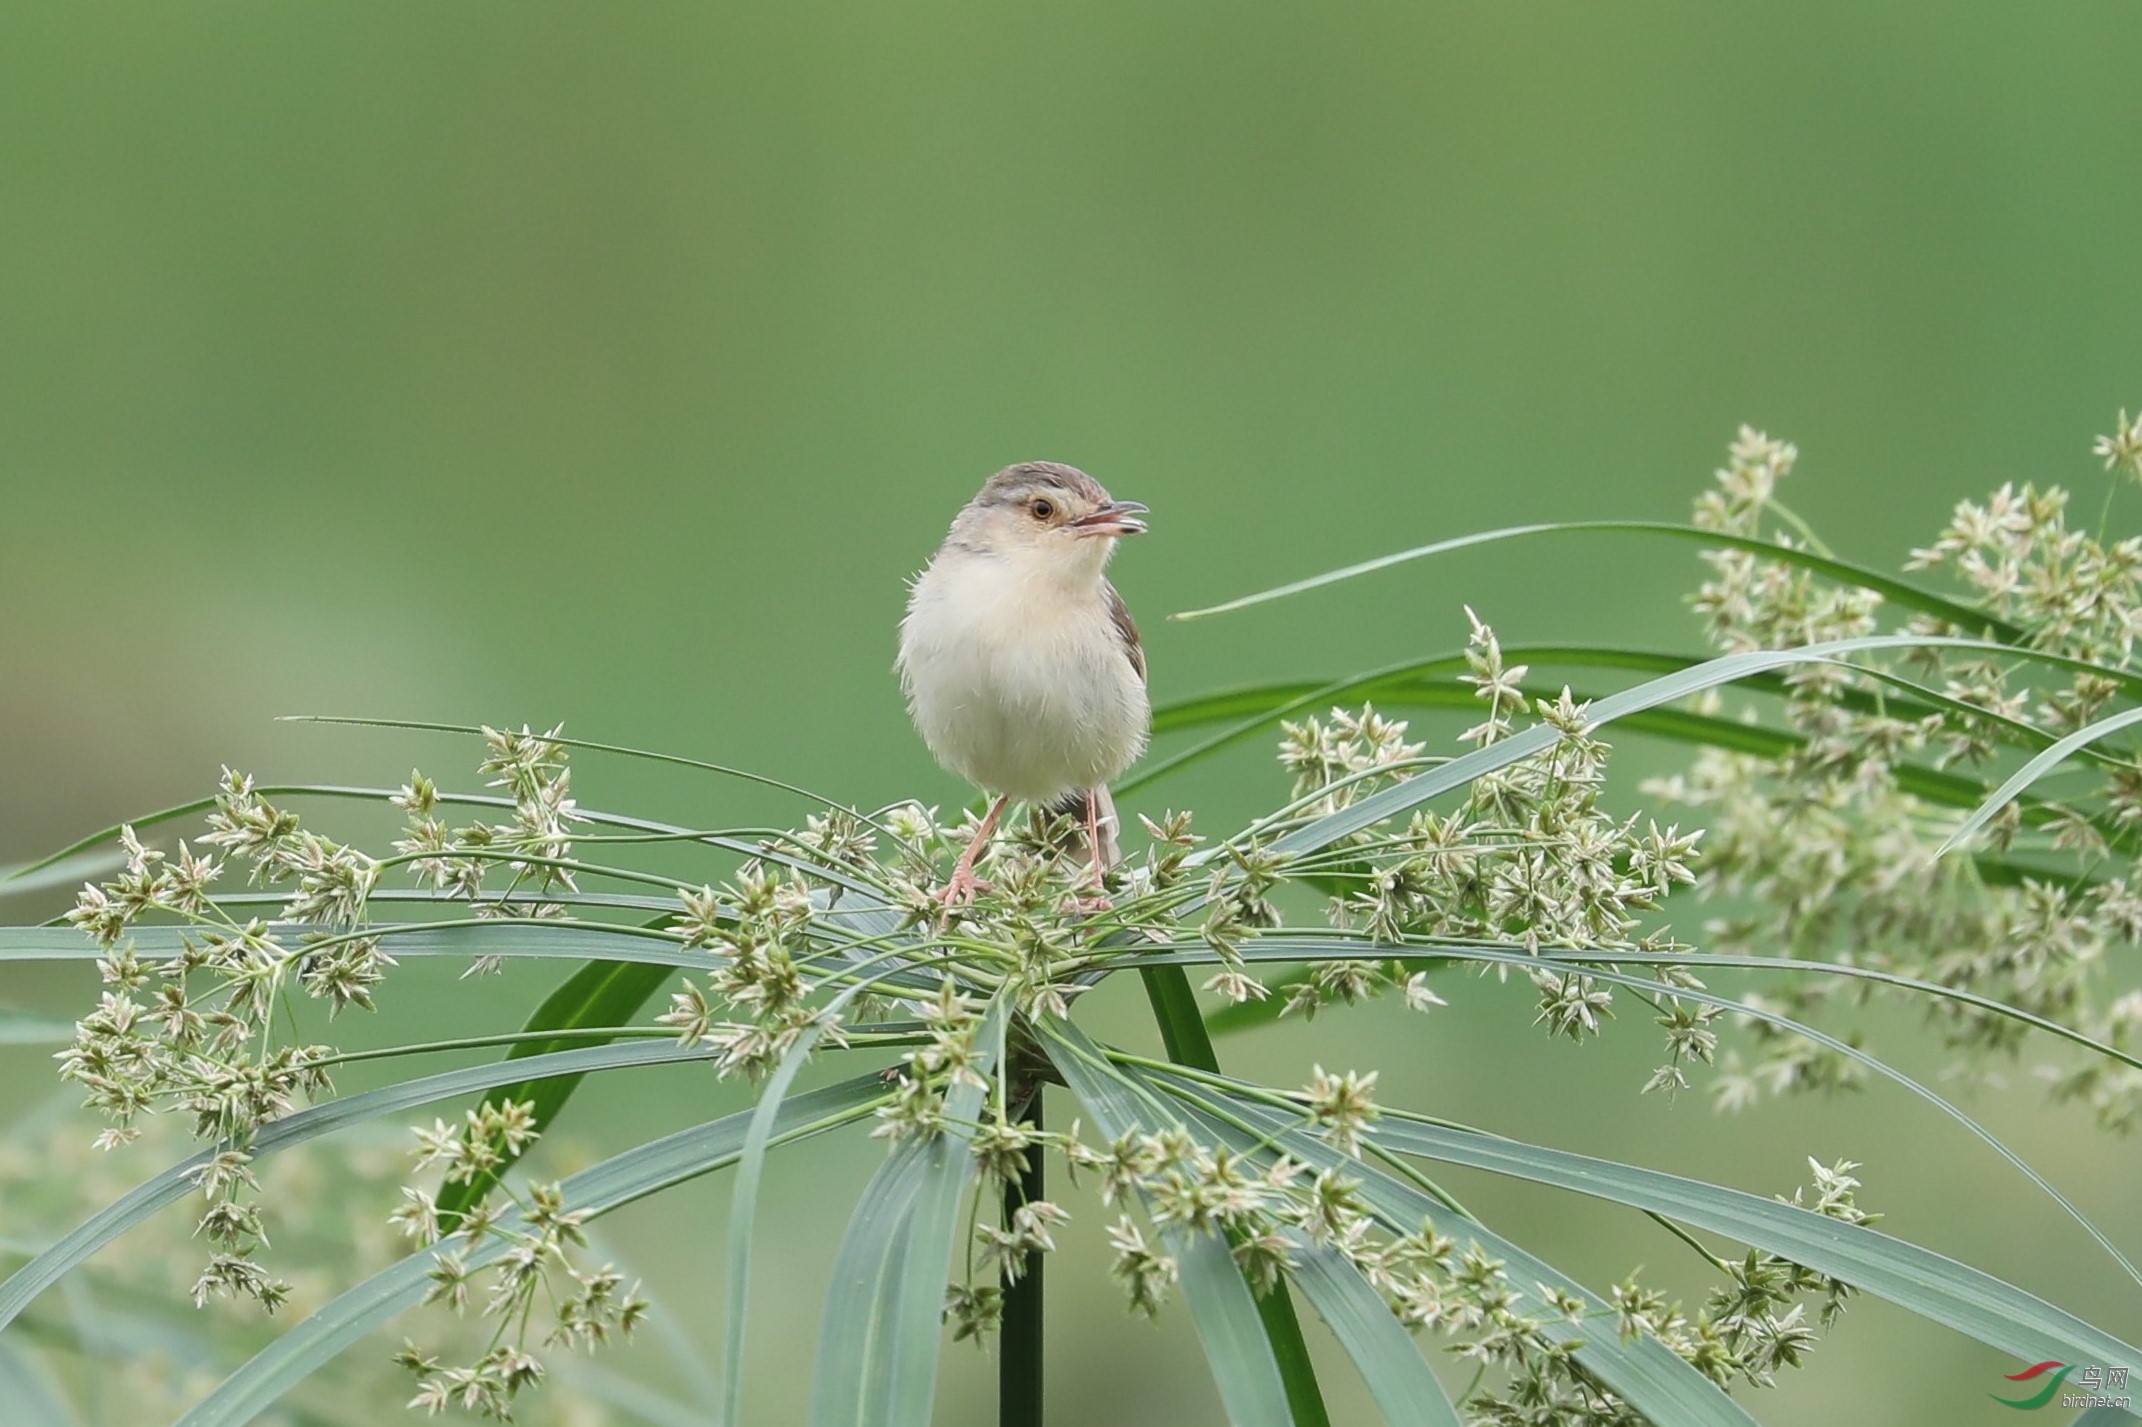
<point x="1118" y="517"/>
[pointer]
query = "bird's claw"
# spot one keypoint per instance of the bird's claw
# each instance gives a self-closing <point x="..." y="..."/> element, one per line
<point x="962" y="888"/>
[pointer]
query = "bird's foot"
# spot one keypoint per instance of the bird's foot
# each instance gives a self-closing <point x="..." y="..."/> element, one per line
<point x="962" y="888"/>
<point x="1090" y="900"/>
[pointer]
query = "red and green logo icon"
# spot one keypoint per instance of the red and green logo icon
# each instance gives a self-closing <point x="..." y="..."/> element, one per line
<point x="2044" y="1394"/>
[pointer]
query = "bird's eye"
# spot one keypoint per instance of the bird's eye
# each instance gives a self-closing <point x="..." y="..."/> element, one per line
<point x="1042" y="509"/>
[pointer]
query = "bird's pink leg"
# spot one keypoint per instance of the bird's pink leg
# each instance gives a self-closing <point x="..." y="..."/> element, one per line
<point x="1099" y="901"/>
<point x="964" y="884"/>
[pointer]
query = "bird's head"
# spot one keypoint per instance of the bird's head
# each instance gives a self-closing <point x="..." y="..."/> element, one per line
<point x="1054" y="518"/>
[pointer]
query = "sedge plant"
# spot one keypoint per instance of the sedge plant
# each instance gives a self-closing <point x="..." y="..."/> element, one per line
<point x="1872" y="755"/>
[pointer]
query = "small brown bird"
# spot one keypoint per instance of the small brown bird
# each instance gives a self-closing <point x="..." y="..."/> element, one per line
<point x="1021" y="663"/>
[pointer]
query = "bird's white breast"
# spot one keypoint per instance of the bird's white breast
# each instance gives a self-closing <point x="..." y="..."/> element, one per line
<point x="1018" y="682"/>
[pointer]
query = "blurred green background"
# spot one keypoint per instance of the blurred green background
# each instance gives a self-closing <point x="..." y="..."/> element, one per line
<point x="614" y="364"/>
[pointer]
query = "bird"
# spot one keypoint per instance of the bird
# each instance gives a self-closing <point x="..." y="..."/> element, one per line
<point x="1022" y="666"/>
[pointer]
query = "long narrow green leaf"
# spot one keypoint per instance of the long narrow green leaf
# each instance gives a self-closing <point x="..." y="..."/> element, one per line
<point x="497" y="936"/>
<point x="1416" y="684"/>
<point x="1702" y="730"/>
<point x="616" y="1181"/>
<point x="1955" y="1295"/>
<point x="471" y="937"/>
<point x="1398" y="1377"/>
<point x="69" y="872"/>
<point x="1408" y="682"/>
<point x="1898" y="592"/>
<point x="173" y="1184"/>
<point x="1645" y="1372"/>
<point x="2037" y="768"/>
<point x="744" y="1199"/>
<point x="1294" y="948"/>
<point x="877" y="1350"/>
<point x="647" y="755"/>
<point x="1220" y="1300"/>
<point x="1937" y="1288"/>
<point x="1404" y="796"/>
<point x="1182" y="1032"/>
<point x="1224" y="1019"/>
<point x="779" y="855"/>
<point x="601" y="993"/>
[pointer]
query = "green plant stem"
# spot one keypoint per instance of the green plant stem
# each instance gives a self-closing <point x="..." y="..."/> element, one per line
<point x="1019" y="1355"/>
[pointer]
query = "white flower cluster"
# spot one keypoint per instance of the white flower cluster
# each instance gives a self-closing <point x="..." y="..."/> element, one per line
<point x="585" y="1307"/>
<point x="195" y="1032"/>
<point x="1529" y="856"/>
<point x="1835" y="841"/>
<point x="161" y="1363"/>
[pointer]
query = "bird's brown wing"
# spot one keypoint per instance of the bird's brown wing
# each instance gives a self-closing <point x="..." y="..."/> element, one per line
<point x="1126" y="630"/>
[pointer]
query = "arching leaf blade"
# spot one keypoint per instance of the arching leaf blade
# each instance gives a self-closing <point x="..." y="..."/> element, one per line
<point x="1931" y="1285"/>
<point x="600" y="993"/>
<point x="173" y="1184"/>
<point x="1398" y="1377"/>
<point x="1293" y="948"/>
<point x="878" y="1346"/>
<point x="1647" y="1374"/>
<point x="1898" y="592"/>
<point x="2037" y="768"/>
<point x="634" y="1174"/>
<point x="1225" y="1311"/>
<point x="1411" y="792"/>
<point x="1182" y="1032"/>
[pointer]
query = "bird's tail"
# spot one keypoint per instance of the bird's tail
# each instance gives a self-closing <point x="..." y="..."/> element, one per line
<point x="1073" y="806"/>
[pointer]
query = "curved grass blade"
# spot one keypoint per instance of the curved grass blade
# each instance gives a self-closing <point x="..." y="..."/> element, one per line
<point x="512" y="938"/>
<point x="1898" y="592"/>
<point x="744" y="1200"/>
<point x="775" y="854"/>
<point x="674" y="760"/>
<point x="601" y="993"/>
<point x="581" y="941"/>
<point x="68" y="872"/>
<point x="1403" y="796"/>
<point x="1266" y="700"/>
<point x="877" y="1350"/>
<point x="1226" y="1019"/>
<point x="2037" y="768"/>
<point x="617" y="1181"/>
<point x="1286" y="948"/>
<point x="1937" y="1288"/>
<point x="137" y="1204"/>
<point x="1644" y="1372"/>
<point x="1182" y="1032"/>
<point x="1398" y="1377"/>
<point x="422" y="896"/>
<point x="1413" y="684"/>
<point x="1220" y="1300"/>
<point x="1677" y="725"/>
